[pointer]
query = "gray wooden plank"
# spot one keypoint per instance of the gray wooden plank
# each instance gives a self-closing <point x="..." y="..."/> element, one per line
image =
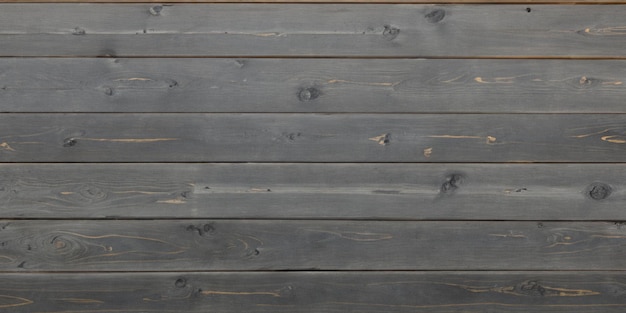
<point x="313" y="292"/>
<point x="317" y="191"/>
<point x="311" y="30"/>
<point x="311" y="85"/>
<point x="216" y="245"/>
<point x="312" y="138"/>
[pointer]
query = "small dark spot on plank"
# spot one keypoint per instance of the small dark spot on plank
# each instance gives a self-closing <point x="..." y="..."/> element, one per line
<point x="156" y="10"/>
<point x="4" y="226"/>
<point x="29" y="247"/>
<point x="78" y="31"/>
<point x="69" y="142"/>
<point x="599" y="191"/>
<point x="257" y="252"/>
<point x="435" y="16"/>
<point x="109" y="91"/>
<point x="391" y="32"/>
<point x="520" y="189"/>
<point x="452" y="183"/>
<point x="308" y="94"/>
<point x="21" y="265"/>
<point x="529" y="10"/>
<point x="181" y="282"/>
<point x="539" y="225"/>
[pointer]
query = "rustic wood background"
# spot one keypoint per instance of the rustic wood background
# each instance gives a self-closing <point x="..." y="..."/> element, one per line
<point x="383" y="156"/>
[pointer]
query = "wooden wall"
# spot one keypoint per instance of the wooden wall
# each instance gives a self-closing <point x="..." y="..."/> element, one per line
<point x="441" y="157"/>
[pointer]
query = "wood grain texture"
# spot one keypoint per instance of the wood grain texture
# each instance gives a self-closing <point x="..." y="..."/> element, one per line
<point x="244" y="245"/>
<point x="313" y="292"/>
<point x="312" y="138"/>
<point x="311" y="85"/>
<point x="318" y="191"/>
<point x="311" y="30"/>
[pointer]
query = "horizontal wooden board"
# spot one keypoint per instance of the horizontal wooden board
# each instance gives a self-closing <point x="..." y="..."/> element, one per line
<point x="311" y="85"/>
<point x="216" y="245"/>
<point x="318" y="191"/>
<point x="313" y="292"/>
<point x="311" y="30"/>
<point x="312" y="138"/>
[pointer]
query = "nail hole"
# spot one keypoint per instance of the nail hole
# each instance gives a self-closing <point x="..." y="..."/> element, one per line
<point x="528" y="10"/>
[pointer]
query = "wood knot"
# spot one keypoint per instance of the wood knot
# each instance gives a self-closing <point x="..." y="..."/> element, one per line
<point x="78" y="31"/>
<point x="382" y="140"/>
<point x="59" y="244"/>
<point x="532" y="288"/>
<point x="452" y="183"/>
<point x="69" y="142"/>
<point x="599" y="191"/>
<point x="109" y="91"/>
<point x="202" y="230"/>
<point x="390" y="32"/>
<point x="181" y="282"/>
<point x="291" y="136"/>
<point x="156" y="10"/>
<point x="308" y="94"/>
<point x="435" y="16"/>
<point x="91" y="193"/>
<point x="584" y="82"/>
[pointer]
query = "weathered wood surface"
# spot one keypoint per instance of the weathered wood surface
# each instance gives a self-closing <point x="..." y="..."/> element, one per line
<point x="314" y="292"/>
<point x="318" y="191"/>
<point x="311" y="85"/>
<point x="312" y="138"/>
<point x="216" y="245"/>
<point x="311" y="30"/>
